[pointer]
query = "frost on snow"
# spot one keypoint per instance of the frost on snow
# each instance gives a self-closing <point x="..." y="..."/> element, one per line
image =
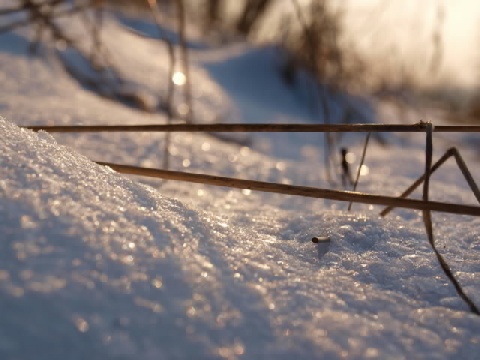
<point x="96" y="265"/>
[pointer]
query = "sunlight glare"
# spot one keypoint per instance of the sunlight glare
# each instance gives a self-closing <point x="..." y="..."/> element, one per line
<point x="364" y="170"/>
<point x="179" y="78"/>
<point x="350" y="158"/>
<point x="246" y="192"/>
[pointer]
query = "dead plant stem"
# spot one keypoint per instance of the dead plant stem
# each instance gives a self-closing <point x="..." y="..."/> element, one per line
<point x="265" y="127"/>
<point x="461" y="164"/>
<point x="296" y="190"/>
<point x="365" y="145"/>
<point x="427" y="218"/>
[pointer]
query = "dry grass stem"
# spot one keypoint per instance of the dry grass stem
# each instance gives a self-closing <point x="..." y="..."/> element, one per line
<point x="185" y="60"/>
<point x="305" y="191"/>
<point x="232" y="128"/>
<point x="170" y="86"/>
<point x="365" y="145"/>
<point x="461" y="164"/>
<point x="427" y="219"/>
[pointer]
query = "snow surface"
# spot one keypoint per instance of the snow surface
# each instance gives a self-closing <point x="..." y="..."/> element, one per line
<point x="97" y="265"/>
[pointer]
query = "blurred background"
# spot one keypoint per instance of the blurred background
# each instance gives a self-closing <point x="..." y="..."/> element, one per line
<point x="401" y="50"/>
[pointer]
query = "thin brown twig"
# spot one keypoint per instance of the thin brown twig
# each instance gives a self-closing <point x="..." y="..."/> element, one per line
<point x="438" y="39"/>
<point x="171" y="55"/>
<point x="466" y="174"/>
<point x="296" y="190"/>
<point x="427" y="219"/>
<point x="170" y="86"/>
<point x="57" y="14"/>
<point x="185" y="60"/>
<point x="230" y="128"/>
<point x="365" y="145"/>
<point x="95" y="26"/>
<point x="461" y="164"/>
<point x="321" y="90"/>
<point x="329" y="144"/>
<point x="46" y="19"/>
<point x="426" y="183"/>
<point x="23" y="7"/>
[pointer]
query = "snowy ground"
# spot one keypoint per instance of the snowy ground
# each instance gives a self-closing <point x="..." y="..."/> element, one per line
<point x="96" y="265"/>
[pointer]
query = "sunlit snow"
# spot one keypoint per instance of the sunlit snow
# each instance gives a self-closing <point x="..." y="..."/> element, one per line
<point x="95" y="265"/>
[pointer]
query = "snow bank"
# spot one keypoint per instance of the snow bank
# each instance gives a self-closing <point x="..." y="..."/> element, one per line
<point x="95" y="265"/>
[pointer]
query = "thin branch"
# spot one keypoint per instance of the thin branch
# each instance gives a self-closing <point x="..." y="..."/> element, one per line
<point x="329" y="141"/>
<point x="23" y="7"/>
<point x="185" y="60"/>
<point x="427" y="219"/>
<point x="367" y="139"/>
<point x="56" y="14"/>
<point x="95" y="26"/>
<point x="297" y="190"/>
<point x="301" y="19"/>
<point x="438" y="39"/>
<point x="37" y="13"/>
<point x="231" y="128"/>
<point x="428" y="167"/>
<point x="171" y="56"/>
<point x="170" y="86"/>
<point x="466" y="173"/>
<point x="461" y="164"/>
<point x="96" y="30"/>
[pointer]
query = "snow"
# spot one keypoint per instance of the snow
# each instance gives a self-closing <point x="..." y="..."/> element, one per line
<point x="97" y="265"/>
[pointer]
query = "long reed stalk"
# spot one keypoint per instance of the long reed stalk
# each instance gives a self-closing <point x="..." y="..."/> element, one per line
<point x="181" y="18"/>
<point x="232" y="128"/>
<point x="427" y="219"/>
<point x="296" y="190"/>
<point x="463" y="168"/>
<point x="170" y="86"/>
<point x="362" y="160"/>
